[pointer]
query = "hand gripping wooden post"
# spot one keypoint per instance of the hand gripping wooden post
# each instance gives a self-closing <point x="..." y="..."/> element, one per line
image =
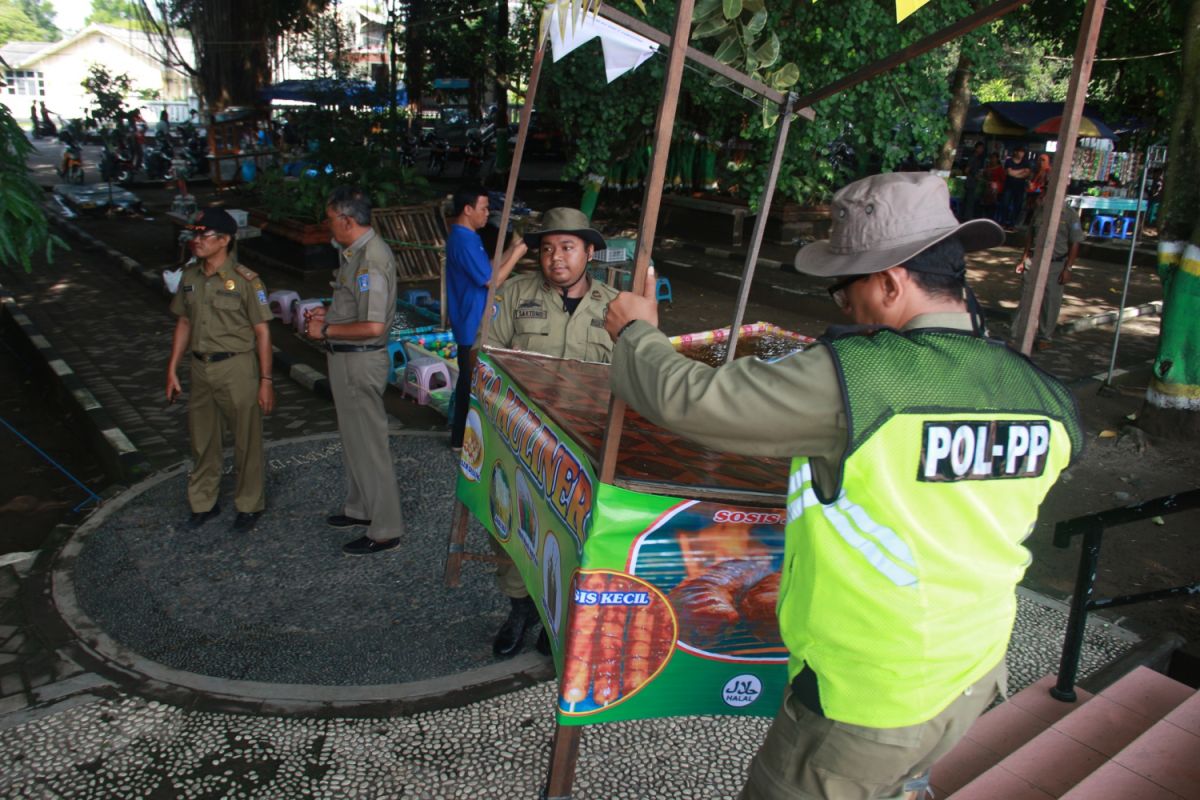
<point x="456" y="548"/>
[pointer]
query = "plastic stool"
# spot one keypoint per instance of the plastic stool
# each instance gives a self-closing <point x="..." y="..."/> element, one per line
<point x="1127" y="226"/>
<point x="419" y="378"/>
<point x="397" y="359"/>
<point x="662" y="290"/>
<point x="305" y="305"/>
<point x="281" y="304"/>
<point x="415" y="296"/>
<point x="1102" y="226"/>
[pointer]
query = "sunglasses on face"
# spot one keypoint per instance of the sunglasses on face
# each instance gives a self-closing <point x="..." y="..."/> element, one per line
<point x="838" y="290"/>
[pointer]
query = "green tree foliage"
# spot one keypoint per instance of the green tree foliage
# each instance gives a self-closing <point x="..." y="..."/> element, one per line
<point x="1132" y="85"/>
<point x="875" y="126"/>
<point x="18" y="24"/>
<point x="24" y="232"/>
<point x="323" y="50"/>
<point x="108" y="93"/>
<point x="114" y="12"/>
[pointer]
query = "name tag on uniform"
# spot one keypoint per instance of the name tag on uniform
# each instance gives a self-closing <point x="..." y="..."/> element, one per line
<point x="227" y="293"/>
<point x="531" y="313"/>
<point x="189" y="288"/>
<point x="597" y="322"/>
<point x="364" y="282"/>
<point x="978" y="450"/>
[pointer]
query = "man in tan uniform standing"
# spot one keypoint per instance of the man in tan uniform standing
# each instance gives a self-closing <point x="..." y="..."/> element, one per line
<point x="1066" y="249"/>
<point x="355" y="329"/>
<point x="222" y="319"/>
<point x="557" y="313"/>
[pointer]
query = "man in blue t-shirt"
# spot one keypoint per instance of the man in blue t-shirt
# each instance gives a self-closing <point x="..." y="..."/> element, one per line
<point x="468" y="273"/>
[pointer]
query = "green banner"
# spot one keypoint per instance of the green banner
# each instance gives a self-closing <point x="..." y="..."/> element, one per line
<point x="655" y="606"/>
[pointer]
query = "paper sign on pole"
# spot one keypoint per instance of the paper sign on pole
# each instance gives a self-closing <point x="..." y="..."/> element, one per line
<point x="907" y="7"/>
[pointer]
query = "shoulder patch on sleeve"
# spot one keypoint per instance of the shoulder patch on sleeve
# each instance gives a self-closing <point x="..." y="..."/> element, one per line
<point x="364" y="282"/>
<point x="246" y="272"/>
<point x="262" y="297"/>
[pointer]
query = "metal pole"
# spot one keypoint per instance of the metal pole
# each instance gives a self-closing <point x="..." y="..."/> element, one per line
<point x="1035" y="285"/>
<point x="1137" y="224"/>
<point x="1068" y="666"/>
<point x="760" y="224"/>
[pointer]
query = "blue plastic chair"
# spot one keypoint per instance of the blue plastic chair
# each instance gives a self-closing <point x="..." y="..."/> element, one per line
<point x="662" y="290"/>
<point x="397" y="359"/>
<point x="1102" y="226"/>
<point x="1127" y="226"/>
<point x="415" y="296"/>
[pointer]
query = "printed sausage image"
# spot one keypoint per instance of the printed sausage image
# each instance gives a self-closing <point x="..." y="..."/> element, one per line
<point x="708" y="604"/>
<point x="622" y="634"/>
<point x="758" y="608"/>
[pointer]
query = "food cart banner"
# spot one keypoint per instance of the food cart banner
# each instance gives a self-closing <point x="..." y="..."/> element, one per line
<point x="673" y="611"/>
<point x="655" y="606"/>
<point x="531" y="487"/>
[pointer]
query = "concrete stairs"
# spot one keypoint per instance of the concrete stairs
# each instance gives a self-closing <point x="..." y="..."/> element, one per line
<point x="1139" y="739"/>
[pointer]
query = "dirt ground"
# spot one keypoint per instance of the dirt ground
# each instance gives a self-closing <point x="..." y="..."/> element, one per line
<point x="1112" y="472"/>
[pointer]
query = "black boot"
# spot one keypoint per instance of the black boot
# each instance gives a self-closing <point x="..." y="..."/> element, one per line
<point x="511" y="636"/>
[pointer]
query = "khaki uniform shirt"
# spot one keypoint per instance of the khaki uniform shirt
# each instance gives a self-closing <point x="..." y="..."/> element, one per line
<point x="529" y="316"/>
<point x="793" y="407"/>
<point x="222" y="308"/>
<point x="364" y="289"/>
<point x="1070" y="231"/>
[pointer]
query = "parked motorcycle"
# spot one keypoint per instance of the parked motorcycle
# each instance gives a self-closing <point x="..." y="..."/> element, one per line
<point x="70" y="168"/>
<point x="439" y="151"/>
<point x="158" y="160"/>
<point x="473" y="155"/>
<point x="116" y="164"/>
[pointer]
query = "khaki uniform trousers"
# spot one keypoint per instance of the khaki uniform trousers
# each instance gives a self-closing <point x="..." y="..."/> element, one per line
<point x="808" y="757"/>
<point x="224" y="394"/>
<point x="357" y="381"/>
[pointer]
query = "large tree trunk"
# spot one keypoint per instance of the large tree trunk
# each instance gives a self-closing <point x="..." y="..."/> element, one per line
<point x="1172" y="405"/>
<point x="231" y="52"/>
<point x="956" y="116"/>
<point x="501" y="120"/>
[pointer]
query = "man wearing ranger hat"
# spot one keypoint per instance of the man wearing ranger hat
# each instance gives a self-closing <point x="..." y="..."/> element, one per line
<point x="557" y="313"/>
<point x="222" y="319"/>
<point x="920" y="452"/>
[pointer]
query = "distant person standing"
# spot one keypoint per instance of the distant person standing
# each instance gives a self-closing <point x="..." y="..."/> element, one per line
<point x="1016" y="176"/>
<point x="976" y="178"/>
<point x="355" y="330"/>
<point x="222" y="316"/>
<point x="162" y="130"/>
<point x="468" y="273"/>
<point x="33" y="116"/>
<point x="1066" y="249"/>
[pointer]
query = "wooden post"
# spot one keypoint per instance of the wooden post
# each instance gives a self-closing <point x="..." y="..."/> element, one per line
<point x="760" y="224"/>
<point x="1034" y="290"/>
<point x="565" y="750"/>
<point x="651" y="202"/>
<point x="458" y="529"/>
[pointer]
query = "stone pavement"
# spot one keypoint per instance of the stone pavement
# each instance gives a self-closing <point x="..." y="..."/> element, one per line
<point x="80" y="727"/>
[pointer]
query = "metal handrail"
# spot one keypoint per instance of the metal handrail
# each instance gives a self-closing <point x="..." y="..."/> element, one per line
<point x="1091" y="527"/>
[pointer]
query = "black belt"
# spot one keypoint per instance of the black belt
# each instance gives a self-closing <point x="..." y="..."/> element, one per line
<point x="354" y="348"/>
<point x="212" y="358"/>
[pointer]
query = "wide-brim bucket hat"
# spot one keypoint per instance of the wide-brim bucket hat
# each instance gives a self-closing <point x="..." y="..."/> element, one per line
<point x="884" y="220"/>
<point x="565" y="220"/>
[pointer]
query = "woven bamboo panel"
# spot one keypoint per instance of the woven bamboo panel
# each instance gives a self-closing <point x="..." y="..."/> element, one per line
<point x="417" y="235"/>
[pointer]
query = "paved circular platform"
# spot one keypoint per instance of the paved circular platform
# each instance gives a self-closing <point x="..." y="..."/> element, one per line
<point x="240" y="614"/>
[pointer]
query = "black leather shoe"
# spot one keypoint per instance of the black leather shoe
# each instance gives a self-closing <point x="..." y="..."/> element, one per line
<point x="245" y="521"/>
<point x="342" y="521"/>
<point x="510" y="639"/>
<point x="364" y="546"/>
<point x="543" y="643"/>
<point x="198" y="518"/>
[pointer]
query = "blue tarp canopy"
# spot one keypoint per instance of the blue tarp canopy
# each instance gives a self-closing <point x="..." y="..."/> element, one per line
<point x="331" y="92"/>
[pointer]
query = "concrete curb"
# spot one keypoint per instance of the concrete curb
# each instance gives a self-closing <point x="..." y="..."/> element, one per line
<point x="1110" y="317"/>
<point x="121" y="459"/>
<point x="732" y="255"/>
<point x="93" y="648"/>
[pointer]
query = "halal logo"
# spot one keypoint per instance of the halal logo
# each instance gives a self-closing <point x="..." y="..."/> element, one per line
<point x="741" y="690"/>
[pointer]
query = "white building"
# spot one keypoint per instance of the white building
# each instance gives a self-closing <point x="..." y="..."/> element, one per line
<point x="53" y="72"/>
